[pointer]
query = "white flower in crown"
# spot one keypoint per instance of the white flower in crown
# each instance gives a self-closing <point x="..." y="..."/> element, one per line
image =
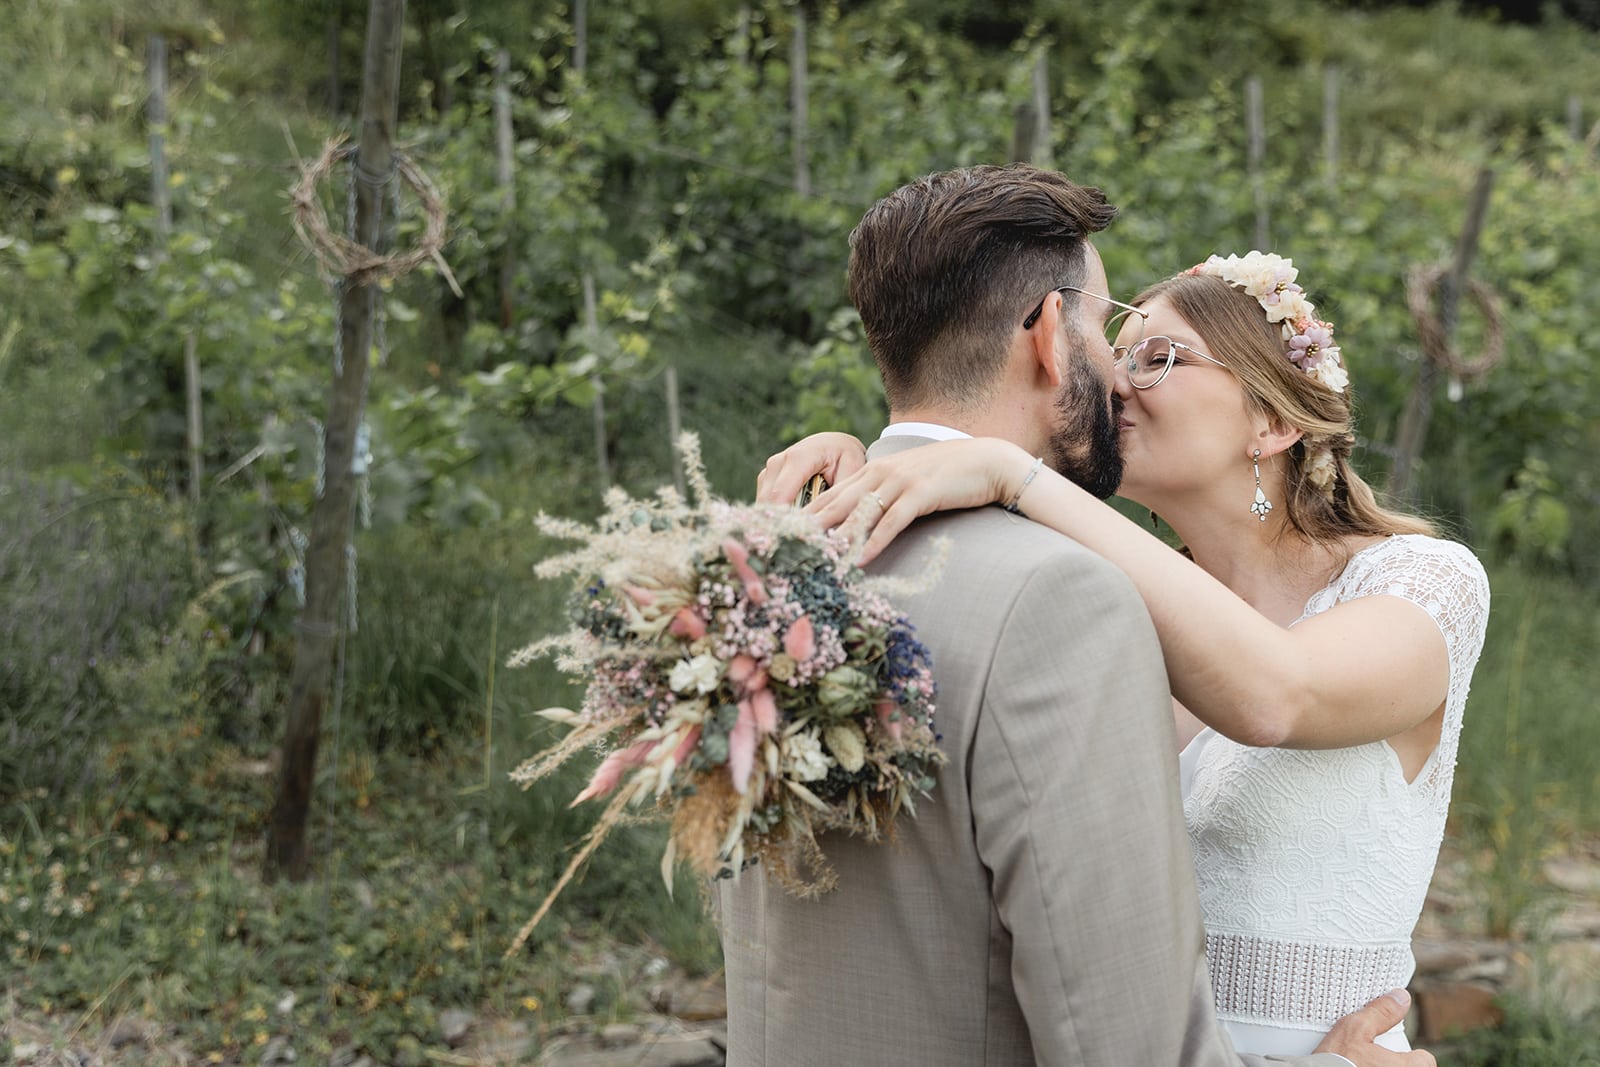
<point x="1321" y="470"/>
<point x="1270" y="279"/>
<point x="1330" y="373"/>
<point x="1261" y="274"/>
<point x="1290" y="307"/>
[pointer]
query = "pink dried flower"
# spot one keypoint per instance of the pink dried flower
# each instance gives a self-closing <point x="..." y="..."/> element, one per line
<point x="739" y="556"/>
<point x="611" y="770"/>
<point x="746" y="674"/>
<point x="800" y="639"/>
<point x="765" y="710"/>
<point x="686" y="746"/>
<point x="687" y="623"/>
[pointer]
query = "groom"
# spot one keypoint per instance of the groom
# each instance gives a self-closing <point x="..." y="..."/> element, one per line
<point x="1041" y="906"/>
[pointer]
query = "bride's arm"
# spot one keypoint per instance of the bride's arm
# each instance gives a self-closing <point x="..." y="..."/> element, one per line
<point x="1186" y="724"/>
<point x="833" y="455"/>
<point x="1365" y="670"/>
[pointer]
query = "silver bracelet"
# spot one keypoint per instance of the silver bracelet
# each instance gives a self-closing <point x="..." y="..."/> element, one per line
<point x="1016" y="498"/>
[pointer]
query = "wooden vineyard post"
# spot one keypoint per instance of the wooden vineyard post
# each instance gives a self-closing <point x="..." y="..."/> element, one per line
<point x="1419" y="404"/>
<point x="317" y="630"/>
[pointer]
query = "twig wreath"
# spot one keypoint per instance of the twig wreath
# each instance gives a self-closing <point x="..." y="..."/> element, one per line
<point x="350" y="260"/>
<point x="1421" y="283"/>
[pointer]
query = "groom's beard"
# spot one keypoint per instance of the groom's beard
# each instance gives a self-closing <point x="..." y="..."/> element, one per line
<point x="1087" y="445"/>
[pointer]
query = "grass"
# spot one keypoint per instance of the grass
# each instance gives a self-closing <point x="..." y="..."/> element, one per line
<point x="423" y="878"/>
<point x="1532" y="1036"/>
<point x="1528" y="775"/>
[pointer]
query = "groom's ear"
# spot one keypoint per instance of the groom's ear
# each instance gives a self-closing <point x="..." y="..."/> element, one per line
<point x="1041" y="341"/>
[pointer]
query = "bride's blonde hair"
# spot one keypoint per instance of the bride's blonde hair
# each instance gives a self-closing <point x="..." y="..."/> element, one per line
<point x="1234" y="326"/>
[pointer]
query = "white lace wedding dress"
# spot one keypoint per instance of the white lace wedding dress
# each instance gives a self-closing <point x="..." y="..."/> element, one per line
<point x="1313" y="866"/>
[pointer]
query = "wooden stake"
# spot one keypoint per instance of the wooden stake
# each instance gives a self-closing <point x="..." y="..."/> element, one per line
<point x="797" y="106"/>
<point x="161" y="200"/>
<point x="504" y="179"/>
<point x="1257" y="159"/>
<point x="741" y="36"/>
<point x="335" y="95"/>
<point x="1025" y="126"/>
<point x="674" y="427"/>
<point x="1030" y="134"/>
<point x="1419" y="403"/>
<point x="580" y="36"/>
<point x="160" y="183"/>
<point x="191" y="377"/>
<point x="1040" y="154"/>
<point x="1330" y="125"/>
<point x="591" y="321"/>
<point x="287" y="854"/>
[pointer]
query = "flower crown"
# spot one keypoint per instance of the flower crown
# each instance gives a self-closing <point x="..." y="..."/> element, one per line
<point x="1270" y="279"/>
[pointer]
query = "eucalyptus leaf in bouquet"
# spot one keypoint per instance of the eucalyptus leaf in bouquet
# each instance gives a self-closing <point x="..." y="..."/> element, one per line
<point x="748" y="682"/>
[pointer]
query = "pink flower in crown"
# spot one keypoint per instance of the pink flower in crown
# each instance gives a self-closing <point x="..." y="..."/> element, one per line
<point x="1279" y="290"/>
<point x="1309" y="345"/>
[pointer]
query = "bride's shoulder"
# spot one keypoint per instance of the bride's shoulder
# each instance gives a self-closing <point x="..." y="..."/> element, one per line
<point x="1416" y="547"/>
<point x="1419" y="563"/>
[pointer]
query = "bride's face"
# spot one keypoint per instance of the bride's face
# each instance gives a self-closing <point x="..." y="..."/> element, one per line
<point x="1186" y="437"/>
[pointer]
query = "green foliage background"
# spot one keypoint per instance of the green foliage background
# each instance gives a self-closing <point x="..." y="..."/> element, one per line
<point x="144" y="640"/>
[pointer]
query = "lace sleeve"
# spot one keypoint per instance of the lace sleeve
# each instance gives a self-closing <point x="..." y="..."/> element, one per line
<point x="1442" y="577"/>
<point x="1446" y="580"/>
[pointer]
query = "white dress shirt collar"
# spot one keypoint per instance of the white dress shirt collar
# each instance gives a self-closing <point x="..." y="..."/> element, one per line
<point x="931" y="430"/>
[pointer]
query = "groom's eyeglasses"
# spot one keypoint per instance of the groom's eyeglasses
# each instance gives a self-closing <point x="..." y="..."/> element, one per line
<point x="1127" y="313"/>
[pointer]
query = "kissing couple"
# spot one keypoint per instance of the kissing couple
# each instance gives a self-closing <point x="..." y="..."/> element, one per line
<point x="1192" y="800"/>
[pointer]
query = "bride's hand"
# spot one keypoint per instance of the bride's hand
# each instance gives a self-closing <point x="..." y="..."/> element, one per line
<point x="835" y="456"/>
<point x="945" y="476"/>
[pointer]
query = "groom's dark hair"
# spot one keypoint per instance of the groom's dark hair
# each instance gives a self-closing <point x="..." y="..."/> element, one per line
<point x="943" y="270"/>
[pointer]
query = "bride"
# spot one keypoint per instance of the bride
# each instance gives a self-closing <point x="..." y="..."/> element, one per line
<point x="1319" y="646"/>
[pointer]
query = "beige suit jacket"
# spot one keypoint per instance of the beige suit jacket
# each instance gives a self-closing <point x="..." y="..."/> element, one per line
<point x="1041" y="906"/>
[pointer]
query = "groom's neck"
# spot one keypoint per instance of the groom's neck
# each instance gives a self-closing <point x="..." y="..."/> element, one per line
<point x="1007" y="426"/>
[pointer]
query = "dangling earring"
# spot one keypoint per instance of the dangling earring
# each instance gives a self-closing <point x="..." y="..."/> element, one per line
<point x="1262" y="505"/>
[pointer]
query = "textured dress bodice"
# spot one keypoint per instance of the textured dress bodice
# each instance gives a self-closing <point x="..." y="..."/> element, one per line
<point x="1313" y="865"/>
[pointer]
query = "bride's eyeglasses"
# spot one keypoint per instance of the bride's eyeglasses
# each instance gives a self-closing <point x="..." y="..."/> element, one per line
<point x="1148" y="360"/>
<point x="1127" y="313"/>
